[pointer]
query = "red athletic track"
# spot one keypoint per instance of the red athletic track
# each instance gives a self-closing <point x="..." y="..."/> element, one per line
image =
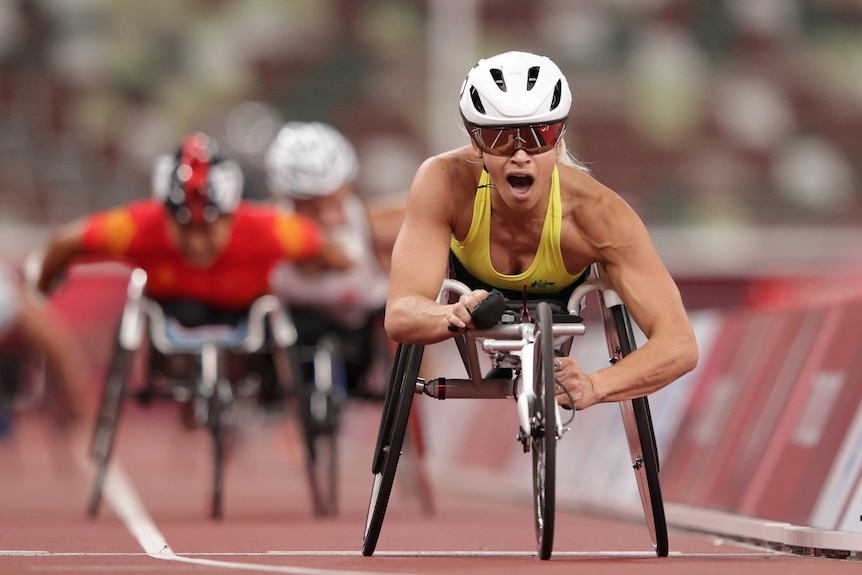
<point x="268" y="525"/>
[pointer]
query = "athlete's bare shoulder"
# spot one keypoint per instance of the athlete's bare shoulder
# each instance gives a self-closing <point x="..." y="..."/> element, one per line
<point x="600" y="215"/>
<point x="443" y="190"/>
<point x="448" y="180"/>
<point x="455" y="169"/>
<point x="579" y="190"/>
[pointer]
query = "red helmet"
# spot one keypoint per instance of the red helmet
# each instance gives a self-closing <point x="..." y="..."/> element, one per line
<point x="195" y="184"/>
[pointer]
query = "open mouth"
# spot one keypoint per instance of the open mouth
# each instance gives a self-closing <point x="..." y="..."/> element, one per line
<point x="520" y="183"/>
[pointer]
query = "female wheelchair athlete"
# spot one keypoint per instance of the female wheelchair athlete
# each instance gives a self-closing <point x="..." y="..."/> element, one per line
<point x="522" y="347"/>
<point x="213" y="368"/>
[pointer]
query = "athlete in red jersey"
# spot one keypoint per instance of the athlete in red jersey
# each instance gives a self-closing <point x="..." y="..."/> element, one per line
<point x="196" y="239"/>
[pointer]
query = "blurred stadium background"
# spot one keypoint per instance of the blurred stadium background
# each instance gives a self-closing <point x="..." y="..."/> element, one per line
<point x="732" y="126"/>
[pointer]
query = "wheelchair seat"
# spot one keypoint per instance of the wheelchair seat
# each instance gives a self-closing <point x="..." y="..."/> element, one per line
<point x="184" y="338"/>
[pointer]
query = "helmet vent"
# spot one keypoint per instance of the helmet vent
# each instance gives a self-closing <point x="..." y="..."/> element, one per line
<point x="532" y="77"/>
<point x="477" y="101"/>
<point x="497" y="74"/>
<point x="558" y="91"/>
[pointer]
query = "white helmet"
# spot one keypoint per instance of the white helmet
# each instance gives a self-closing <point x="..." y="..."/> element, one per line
<point x="515" y="88"/>
<point x="309" y="159"/>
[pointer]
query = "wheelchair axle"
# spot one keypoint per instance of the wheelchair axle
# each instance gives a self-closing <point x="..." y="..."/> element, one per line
<point x="446" y="388"/>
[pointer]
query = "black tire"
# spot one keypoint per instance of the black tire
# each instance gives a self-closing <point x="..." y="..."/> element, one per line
<point x="322" y="463"/>
<point x="543" y="435"/>
<point x="321" y="449"/>
<point x="219" y="435"/>
<point x="641" y="439"/>
<point x="390" y="439"/>
<point x="110" y="409"/>
<point x="218" y="439"/>
<point x="319" y="437"/>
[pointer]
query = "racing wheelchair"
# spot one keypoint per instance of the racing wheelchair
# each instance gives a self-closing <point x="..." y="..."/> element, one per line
<point x="522" y="346"/>
<point x="213" y="370"/>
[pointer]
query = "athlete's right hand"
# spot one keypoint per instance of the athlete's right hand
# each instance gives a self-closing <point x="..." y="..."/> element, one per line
<point x="460" y="314"/>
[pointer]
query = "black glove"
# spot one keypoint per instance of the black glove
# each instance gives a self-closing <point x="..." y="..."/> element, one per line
<point x="488" y="312"/>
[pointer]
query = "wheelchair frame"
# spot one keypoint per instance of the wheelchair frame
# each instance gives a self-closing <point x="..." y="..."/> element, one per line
<point x="523" y="354"/>
<point x="268" y="330"/>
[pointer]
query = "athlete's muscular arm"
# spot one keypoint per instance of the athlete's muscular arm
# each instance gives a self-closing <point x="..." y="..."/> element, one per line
<point x="65" y="244"/>
<point x="308" y="245"/>
<point x="61" y="349"/>
<point x="331" y="256"/>
<point x="631" y="264"/>
<point x="385" y="219"/>
<point x="420" y="260"/>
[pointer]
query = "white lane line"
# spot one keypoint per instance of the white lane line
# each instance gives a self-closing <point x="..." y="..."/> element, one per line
<point x="520" y="554"/>
<point x="124" y="501"/>
<point x="126" y="504"/>
<point x="419" y="554"/>
<point x="422" y="554"/>
<point x="458" y="554"/>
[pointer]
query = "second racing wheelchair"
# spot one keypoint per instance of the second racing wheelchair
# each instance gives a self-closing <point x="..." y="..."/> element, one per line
<point x="214" y="369"/>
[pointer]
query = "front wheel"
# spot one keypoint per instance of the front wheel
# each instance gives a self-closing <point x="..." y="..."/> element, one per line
<point x="544" y="432"/>
<point x="390" y="439"/>
<point x="218" y="432"/>
<point x="639" y="433"/>
<point x="319" y="418"/>
<point x="110" y="409"/>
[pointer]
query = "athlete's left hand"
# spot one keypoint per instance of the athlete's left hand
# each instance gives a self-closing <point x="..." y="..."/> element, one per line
<point x="577" y="387"/>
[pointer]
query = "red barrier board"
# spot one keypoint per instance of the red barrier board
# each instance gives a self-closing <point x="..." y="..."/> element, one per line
<point x="686" y="463"/>
<point x="772" y="359"/>
<point x="816" y="422"/>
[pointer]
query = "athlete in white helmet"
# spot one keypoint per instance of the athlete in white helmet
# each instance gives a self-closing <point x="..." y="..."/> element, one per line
<point x="311" y="167"/>
<point x="513" y="211"/>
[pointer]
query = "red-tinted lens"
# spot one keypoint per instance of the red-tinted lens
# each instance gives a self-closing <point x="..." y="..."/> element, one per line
<point x="506" y="140"/>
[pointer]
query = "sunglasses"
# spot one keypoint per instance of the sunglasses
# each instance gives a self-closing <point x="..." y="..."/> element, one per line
<point x="506" y="140"/>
